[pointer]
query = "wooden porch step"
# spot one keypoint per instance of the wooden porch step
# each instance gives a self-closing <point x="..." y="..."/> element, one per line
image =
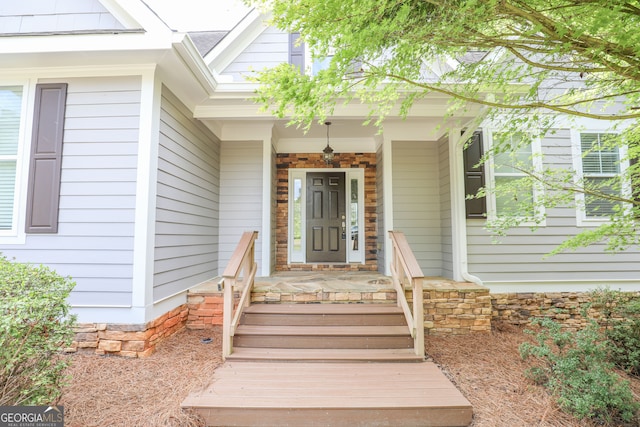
<point x="325" y="355"/>
<point x="330" y="394"/>
<point x="322" y="337"/>
<point x="324" y="315"/>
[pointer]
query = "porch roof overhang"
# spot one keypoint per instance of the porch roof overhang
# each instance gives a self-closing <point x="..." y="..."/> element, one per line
<point x="232" y="105"/>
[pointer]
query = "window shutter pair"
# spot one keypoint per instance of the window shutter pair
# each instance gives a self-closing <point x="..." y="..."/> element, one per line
<point x="474" y="176"/>
<point x="46" y="158"/>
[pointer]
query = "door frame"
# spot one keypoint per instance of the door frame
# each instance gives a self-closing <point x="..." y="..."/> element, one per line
<point x="297" y="179"/>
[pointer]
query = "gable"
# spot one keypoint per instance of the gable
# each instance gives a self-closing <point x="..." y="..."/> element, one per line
<point x="55" y="16"/>
<point x="267" y="50"/>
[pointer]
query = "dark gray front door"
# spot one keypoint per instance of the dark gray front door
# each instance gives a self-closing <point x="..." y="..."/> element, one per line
<point x="326" y="217"/>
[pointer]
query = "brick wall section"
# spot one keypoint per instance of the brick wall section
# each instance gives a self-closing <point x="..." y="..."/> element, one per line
<point x="129" y="340"/>
<point x="286" y="161"/>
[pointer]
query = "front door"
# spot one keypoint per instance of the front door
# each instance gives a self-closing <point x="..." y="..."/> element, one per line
<point x="326" y="217"/>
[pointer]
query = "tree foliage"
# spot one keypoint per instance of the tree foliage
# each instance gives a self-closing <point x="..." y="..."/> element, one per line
<point x="527" y="61"/>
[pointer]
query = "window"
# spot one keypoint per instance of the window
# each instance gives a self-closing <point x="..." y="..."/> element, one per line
<point x="323" y="63"/>
<point x="11" y="115"/>
<point x="301" y="57"/>
<point x="514" y="193"/>
<point x="600" y="167"/>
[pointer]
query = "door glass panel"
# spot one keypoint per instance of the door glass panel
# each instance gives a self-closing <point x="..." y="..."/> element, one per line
<point x="297" y="214"/>
<point x="354" y="215"/>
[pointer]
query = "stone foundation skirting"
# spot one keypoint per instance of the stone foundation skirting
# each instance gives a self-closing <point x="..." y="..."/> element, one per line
<point x="464" y="310"/>
<point x="128" y="340"/>
<point x="457" y="312"/>
<point x="566" y="308"/>
<point x="446" y="312"/>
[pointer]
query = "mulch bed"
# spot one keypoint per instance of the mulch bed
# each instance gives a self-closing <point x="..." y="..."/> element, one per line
<point x="116" y="391"/>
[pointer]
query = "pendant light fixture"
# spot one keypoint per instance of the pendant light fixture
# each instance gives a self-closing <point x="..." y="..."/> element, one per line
<point x="328" y="151"/>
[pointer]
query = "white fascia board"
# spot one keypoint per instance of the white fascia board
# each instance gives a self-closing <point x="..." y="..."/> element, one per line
<point x="85" y="43"/>
<point x="136" y="14"/>
<point x="68" y="72"/>
<point x="241" y="36"/>
<point x="121" y="14"/>
<point x="242" y="105"/>
<point x="227" y="90"/>
<point x="193" y="60"/>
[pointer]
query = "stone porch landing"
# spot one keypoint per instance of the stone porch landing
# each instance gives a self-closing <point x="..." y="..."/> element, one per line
<point x="450" y="307"/>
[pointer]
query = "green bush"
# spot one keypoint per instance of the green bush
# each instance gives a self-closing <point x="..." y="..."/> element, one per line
<point x="621" y="322"/>
<point x="575" y="367"/>
<point x="34" y="325"/>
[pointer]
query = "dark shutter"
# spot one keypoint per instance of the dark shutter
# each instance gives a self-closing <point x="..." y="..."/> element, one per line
<point x="635" y="185"/>
<point x="474" y="176"/>
<point x="46" y="158"/>
<point x="296" y="51"/>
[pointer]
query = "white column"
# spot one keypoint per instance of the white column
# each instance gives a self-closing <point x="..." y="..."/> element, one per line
<point x="146" y="189"/>
<point x="458" y="217"/>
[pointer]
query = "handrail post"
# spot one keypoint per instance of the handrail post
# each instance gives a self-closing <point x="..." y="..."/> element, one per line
<point x="242" y="261"/>
<point x="404" y="265"/>
<point x="227" y="315"/>
<point x="418" y="316"/>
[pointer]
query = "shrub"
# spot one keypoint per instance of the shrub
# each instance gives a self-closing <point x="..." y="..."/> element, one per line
<point x="621" y="322"/>
<point x="34" y="325"/>
<point x="575" y="368"/>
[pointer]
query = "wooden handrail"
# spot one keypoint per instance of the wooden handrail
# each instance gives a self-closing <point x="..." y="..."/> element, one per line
<point x="404" y="265"/>
<point x="242" y="264"/>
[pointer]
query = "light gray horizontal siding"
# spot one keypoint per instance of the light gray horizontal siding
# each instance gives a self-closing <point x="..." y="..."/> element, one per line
<point x="271" y="48"/>
<point x="94" y="243"/>
<point x="416" y="201"/>
<point x="38" y="16"/>
<point x="520" y="256"/>
<point x="186" y="236"/>
<point x="240" y="196"/>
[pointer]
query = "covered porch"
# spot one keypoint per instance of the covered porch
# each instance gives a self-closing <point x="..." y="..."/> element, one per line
<point x="330" y="348"/>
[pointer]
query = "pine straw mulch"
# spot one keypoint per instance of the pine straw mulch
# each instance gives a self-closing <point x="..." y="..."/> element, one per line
<point x="115" y="391"/>
<point x="118" y="391"/>
<point x="488" y="370"/>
